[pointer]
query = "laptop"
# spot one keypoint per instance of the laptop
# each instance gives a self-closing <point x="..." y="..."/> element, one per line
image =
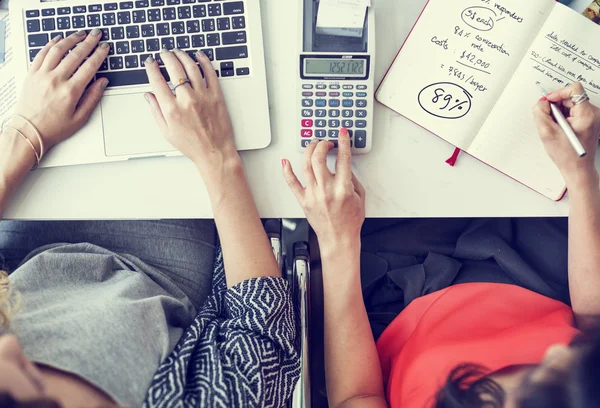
<point x="229" y="32"/>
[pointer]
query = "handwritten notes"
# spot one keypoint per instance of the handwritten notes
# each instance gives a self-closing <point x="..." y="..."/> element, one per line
<point x="458" y="60"/>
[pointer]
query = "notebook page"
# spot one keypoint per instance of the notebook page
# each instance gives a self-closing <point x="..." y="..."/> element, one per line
<point x="457" y="60"/>
<point x="8" y="95"/>
<point x="566" y="50"/>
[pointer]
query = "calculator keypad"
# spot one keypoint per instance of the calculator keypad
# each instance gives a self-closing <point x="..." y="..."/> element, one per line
<point x="327" y="108"/>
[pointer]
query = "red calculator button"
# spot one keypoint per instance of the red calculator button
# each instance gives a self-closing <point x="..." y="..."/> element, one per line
<point x="306" y="133"/>
<point x="306" y="123"/>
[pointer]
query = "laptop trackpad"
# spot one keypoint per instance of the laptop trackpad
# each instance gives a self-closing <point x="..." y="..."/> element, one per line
<point x="130" y="128"/>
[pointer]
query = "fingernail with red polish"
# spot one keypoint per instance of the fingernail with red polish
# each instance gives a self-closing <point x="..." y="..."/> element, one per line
<point x="283" y="163"/>
<point x="344" y="131"/>
<point x="543" y="99"/>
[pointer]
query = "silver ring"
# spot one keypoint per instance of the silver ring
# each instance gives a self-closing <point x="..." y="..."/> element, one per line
<point x="579" y="99"/>
<point x="181" y="81"/>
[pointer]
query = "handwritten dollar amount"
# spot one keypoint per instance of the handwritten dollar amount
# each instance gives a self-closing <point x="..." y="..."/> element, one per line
<point x="472" y="59"/>
<point x="445" y="100"/>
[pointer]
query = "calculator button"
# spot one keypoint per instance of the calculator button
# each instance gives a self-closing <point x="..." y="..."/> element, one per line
<point x="307" y="123"/>
<point x="347" y="103"/>
<point x="334" y="113"/>
<point x="348" y="94"/>
<point x="307" y="103"/>
<point x="360" y="139"/>
<point x="321" y="94"/>
<point x="361" y="103"/>
<point x="361" y="124"/>
<point x="334" y="94"/>
<point x="334" y="123"/>
<point x="321" y="86"/>
<point x="350" y="132"/>
<point x="361" y="87"/>
<point x="320" y="123"/>
<point x="347" y="123"/>
<point x="334" y="87"/>
<point x="320" y="113"/>
<point x="307" y="113"/>
<point x="334" y="133"/>
<point x="348" y="86"/>
<point x="307" y="94"/>
<point x="321" y="103"/>
<point x="306" y="133"/>
<point x="361" y="113"/>
<point x="305" y="142"/>
<point x="307" y="86"/>
<point x="361" y="94"/>
<point x="334" y="103"/>
<point x="347" y="113"/>
<point x="321" y="133"/>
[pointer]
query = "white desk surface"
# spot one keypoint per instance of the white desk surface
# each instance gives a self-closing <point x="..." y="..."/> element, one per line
<point x="405" y="175"/>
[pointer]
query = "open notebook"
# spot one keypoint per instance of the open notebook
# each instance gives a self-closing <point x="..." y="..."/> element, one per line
<point x="471" y="71"/>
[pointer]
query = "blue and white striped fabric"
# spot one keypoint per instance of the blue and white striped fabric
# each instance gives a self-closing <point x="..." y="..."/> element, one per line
<point x="242" y="350"/>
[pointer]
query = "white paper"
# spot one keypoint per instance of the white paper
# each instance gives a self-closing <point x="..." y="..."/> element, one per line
<point x="342" y="13"/>
<point x="8" y="96"/>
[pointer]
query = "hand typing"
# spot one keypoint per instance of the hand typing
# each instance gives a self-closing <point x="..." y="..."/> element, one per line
<point x="585" y="121"/>
<point x="54" y="96"/>
<point x="195" y="120"/>
<point x="334" y="204"/>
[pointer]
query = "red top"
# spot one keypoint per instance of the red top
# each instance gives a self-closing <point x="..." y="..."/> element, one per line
<point x="490" y="324"/>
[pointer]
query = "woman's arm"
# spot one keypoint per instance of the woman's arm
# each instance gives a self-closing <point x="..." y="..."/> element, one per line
<point x="582" y="181"/>
<point x="335" y="208"/>
<point x="196" y="122"/>
<point x="16" y="159"/>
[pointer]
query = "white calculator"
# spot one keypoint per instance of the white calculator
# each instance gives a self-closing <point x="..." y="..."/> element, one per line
<point x="336" y="81"/>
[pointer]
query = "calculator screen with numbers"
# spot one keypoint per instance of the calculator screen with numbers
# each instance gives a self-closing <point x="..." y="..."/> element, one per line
<point x="336" y="86"/>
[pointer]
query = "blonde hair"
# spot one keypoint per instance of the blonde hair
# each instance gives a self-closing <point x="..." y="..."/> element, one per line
<point x="8" y="301"/>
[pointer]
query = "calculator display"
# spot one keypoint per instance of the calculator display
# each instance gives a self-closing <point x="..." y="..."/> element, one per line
<point x="335" y="67"/>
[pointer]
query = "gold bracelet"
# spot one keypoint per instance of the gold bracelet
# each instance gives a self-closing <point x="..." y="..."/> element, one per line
<point x="37" y="133"/>
<point x="37" y="156"/>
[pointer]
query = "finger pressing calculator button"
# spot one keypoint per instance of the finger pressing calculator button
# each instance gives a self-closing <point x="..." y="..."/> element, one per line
<point x="360" y="139"/>
<point x="307" y="86"/>
<point x="321" y="133"/>
<point x="307" y="103"/>
<point x="361" y="94"/>
<point x="305" y="142"/>
<point x="361" y="113"/>
<point x="334" y="123"/>
<point x="307" y="123"/>
<point x="334" y="113"/>
<point x="361" y="87"/>
<point x="334" y="133"/>
<point x="306" y="133"/>
<point x="347" y="123"/>
<point x="347" y="113"/>
<point x="320" y="113"/>
<point x="334" y="103"/>
<point x="361" y="124"/>
<point x="361" y="103"/>
<point x="307" y="113"/>
<point x="347" y="103"/>
<point x="321" y="103"/>
<point x="320" y="123"/>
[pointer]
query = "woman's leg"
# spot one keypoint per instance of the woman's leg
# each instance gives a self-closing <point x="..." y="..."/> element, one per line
<point x="182" y="249"/>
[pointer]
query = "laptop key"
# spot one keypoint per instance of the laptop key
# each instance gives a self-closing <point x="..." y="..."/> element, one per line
<point x="157" y="3"/>
<point x="63" y="23"/>
<point x="167" y="43"/>
<point x="169" y="14"/>
<point x="33" y="53"/>
<point x="183" y="42"/>
<point x="111" y="48"/>
<point x="209" y="53"/>
<point x="139" y="16"/>
<point x="153" y="44"/>
<point x="109" y="19"/>
<point x="177" y="28"/>
<point x="198" y="41"/>
<point x="228" y="53"/>
<point x="242" y="71"/>
<point x="184" y="12"/>
<point x="33" y="26"/>
<point x="154" y="15"/>
<point x="115" y="63"/>
<point x="213" y="40"/>
<point x="208" y="24"/>
<point x="48" y="12"/>
<point x="54" y="34"/>
<point x="133" y="31"/>
<point x="64" y="11"/>
<point x="192" y="26"/>
<point x="142" y="4"/>
<point x="92" y="19"/>
<point x="111" y="6"/>
<point x="122" y="47"/>
<point x="131" y="61"/>
<point x="236" y="7"/>
<point x="137" y="46"/>
<point x="147" y="30"/>
<point x="188" y="1"/>
<point x="79" y="9"/>
<point x="104" y="65"/>
<point x="48" y="24"/>
<point x="214" y="9"/>
<point x="126" y="5"/>
<point x="117" y="33"/>
<point x="105" y="34"/>
<point x="238" y="22"/>
<point x="223" y="24"/>
<point x="162" y="29"/>
<point x="199" y="11"/>
<point x="32" y="13"/>
<point x="235" y="37"/>
<point x="123" y="17"/>
<point x="173" y="2"/>
<point x="143" y="59"/>
<point x="158" y="59"/>
<point x="79" y="21"/>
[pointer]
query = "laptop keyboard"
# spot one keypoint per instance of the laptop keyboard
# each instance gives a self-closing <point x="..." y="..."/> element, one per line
<point x="138" y="29"/>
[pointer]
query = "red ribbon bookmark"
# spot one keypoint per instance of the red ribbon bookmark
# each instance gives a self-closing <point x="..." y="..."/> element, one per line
<point x="452" y="160"/>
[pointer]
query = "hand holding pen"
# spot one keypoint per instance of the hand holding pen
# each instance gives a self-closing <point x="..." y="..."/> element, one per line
<point x="569" y="126"/>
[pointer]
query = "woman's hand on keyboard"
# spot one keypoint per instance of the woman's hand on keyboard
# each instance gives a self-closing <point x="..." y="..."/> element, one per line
<point x="195" y="120"/>
<point x="54" y="96"/>
<point x="585" y="121"/>
<point x="334" y="204"/>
